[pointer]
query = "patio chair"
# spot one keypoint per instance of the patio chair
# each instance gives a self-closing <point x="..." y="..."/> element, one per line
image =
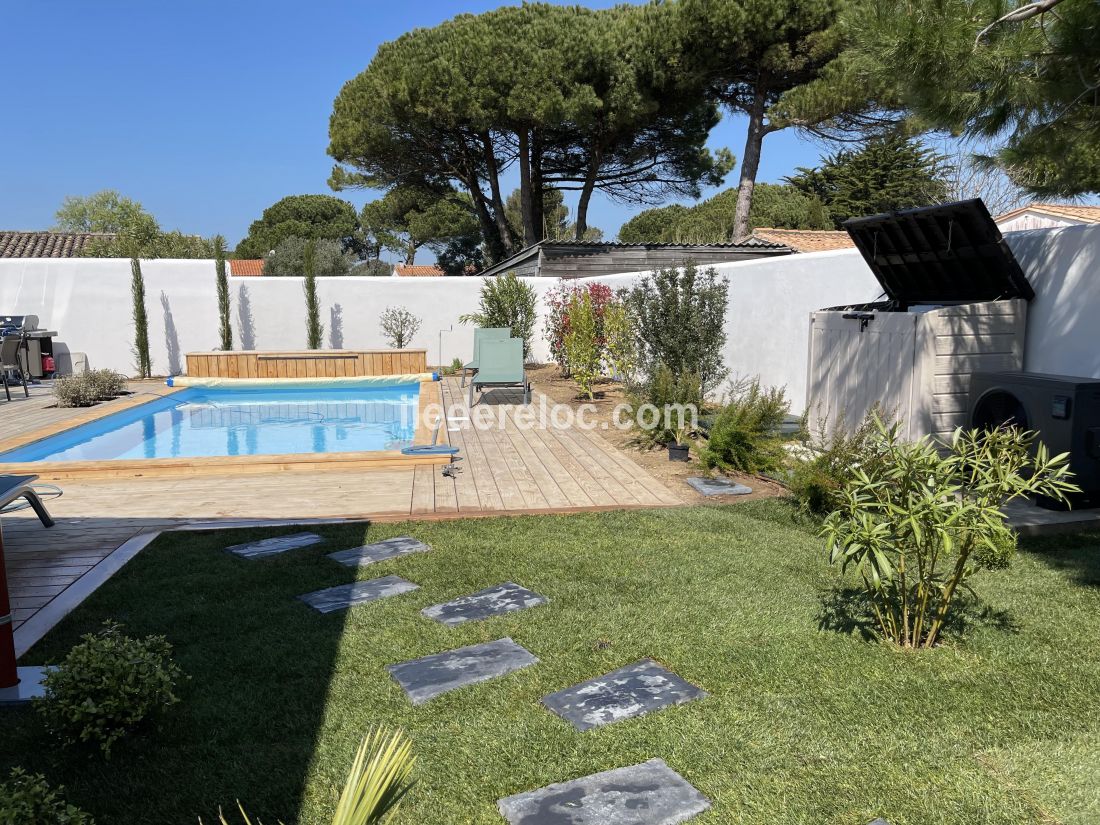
<point x="484" y="334"/>
<point x="14" y="487"/>
<point x="500" y="365"/>
<point x="9" y="362"/>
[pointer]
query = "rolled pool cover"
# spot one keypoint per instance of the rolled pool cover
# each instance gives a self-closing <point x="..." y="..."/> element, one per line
<point x="289" y="383"/>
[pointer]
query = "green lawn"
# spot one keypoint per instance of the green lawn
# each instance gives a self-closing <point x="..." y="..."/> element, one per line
<point x="807" y="722"/>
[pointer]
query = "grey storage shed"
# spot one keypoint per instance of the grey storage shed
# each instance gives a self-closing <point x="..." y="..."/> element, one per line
<point x="955" y="304"/>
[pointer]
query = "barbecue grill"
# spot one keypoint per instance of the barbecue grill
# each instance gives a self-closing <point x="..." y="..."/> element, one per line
<point x="36" y="354"/>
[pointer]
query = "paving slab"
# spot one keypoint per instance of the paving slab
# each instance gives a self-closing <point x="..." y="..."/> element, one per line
<point x="379" y="551"/>
<point x="484" y="604"/>
<point x="430" y="676"/>
<point x="344" y="596"/>
<point x="273" y="546"/>
<point x="630" y="691"/>
<point x="647" y="794"/>
<point x="30" y="686"/>
<point x="718" y="487"/>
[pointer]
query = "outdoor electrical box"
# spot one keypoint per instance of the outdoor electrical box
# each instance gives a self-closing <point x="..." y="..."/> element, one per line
<point x="955" y="303"/>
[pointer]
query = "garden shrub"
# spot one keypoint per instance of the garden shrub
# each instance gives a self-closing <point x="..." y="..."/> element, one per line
<point x="745" y="434"/>
<point x="679" y="315"/>
<point x="506" y="301"/>
<point x="620" y="341"/>
<point x="677" y="398"/>
<point x="557" y="314"/>
<point x="399" y="326"/>
<point x="88" y="388"/>
<point x="828" y="460"/>
<point x="581" y="344"/>
<point x="107" y="685"/>
<point x="105" y="383"/>
<point x="917" y="526"/>
<point x="27" y="799"/>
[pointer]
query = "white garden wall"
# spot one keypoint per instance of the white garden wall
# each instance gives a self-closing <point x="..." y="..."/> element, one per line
<point x="88" y="302"/>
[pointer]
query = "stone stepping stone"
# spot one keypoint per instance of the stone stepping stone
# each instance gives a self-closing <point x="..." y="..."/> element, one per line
<point x="484" y="604"/>
<point x="270" y="547"/>
<point x="344" y="596"/>
<point x="718" y="487"/>
<point x="647" y="794"/>
<point x="430" y="676"/>
<point x="634" y="690"/>
<point x="379" y="551"/>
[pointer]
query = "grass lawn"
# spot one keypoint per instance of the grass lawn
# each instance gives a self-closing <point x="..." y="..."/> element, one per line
<point x="807" y="721"/>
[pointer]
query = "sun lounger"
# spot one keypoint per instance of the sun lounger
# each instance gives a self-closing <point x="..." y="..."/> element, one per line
<point x="13" y="487"/>
<point x="501" y="365"/>
<point x="484" y="334"/>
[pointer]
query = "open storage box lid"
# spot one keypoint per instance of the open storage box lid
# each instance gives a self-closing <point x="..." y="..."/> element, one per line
<point x="947" y="254"/>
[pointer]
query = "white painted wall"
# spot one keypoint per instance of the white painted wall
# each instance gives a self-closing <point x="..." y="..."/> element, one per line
<point x="88" y="302"/>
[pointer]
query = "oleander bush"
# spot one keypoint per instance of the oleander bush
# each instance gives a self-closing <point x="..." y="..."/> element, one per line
<point x="108" y="685"/>
<point x="506" y="301"/>
<point x="28" y="799"/>
<point x="745" y="435"/>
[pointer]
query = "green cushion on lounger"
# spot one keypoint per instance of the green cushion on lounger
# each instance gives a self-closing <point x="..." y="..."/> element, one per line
<point x="501" y="362"/>
<point x="486" y="334"/>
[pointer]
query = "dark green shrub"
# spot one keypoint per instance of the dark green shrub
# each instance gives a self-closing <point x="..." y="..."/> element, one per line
<point x="107" y="685"/>
<point x="27" y="799"/>
<point x="679" y="315"/>
<point x="745" y="435"/>
<point x="678" y="399"/>
<point x="506" y="301"/>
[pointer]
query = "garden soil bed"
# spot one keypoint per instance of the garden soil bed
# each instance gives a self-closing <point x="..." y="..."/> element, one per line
<point x="673" y="474"/>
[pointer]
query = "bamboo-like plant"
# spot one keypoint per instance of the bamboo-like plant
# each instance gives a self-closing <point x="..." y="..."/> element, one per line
<point x="315" y="330"/>
<point x="225" y="329"/>
<point x="376" y="784"/>
<point x="918" y="524"/>
<point x="142" y="360"/>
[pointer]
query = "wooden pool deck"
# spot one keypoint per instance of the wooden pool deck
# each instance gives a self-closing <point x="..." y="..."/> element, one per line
<point x="543" y="467"/>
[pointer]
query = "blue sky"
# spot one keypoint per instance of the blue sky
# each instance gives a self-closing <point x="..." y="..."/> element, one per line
<point x="207" y="112"/>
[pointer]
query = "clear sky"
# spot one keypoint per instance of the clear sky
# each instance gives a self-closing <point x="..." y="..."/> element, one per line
<point x="207" y="112"/>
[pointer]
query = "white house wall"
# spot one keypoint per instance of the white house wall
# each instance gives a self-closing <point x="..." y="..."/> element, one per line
<point x="88" y="302"/>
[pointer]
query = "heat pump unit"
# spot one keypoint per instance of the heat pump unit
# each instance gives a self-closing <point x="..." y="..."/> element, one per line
<point x="1063" y="409"/>
<point x="955" y="303"/>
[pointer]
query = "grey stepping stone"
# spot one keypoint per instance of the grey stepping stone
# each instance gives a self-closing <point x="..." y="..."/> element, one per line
<point x="647" y="794"/>
<point x="269" y="547"/>
<point x="634" y="690"/>
<point x="492" y="601"/>
<point x="379" y="551"/>
<point x="347" y="595"/>
<point x="719" y="487"/>
<point x="425" y="678"/>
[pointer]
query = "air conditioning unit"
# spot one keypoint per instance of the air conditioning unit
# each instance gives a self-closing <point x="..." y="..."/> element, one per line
<point x="1063" y="409"/>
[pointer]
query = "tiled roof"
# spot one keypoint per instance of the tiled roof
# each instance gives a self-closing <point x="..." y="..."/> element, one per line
<point x="1087" y="214"/>
<point x="417" y="271"/>
<point x="46" y="244"/>
<point x="246" y="266"/>
<point x="754" y="243"/>
<point x="806" y="240"/>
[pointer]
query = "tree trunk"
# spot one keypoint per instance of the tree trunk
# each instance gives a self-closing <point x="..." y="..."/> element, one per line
<point x="525" y="202"/>
<point x="750" y="163"/>
<point x="586" y="194"/>
<point x="538" y="191"/>
<point x="410" y="253"/>
<point x="506" y="241"/>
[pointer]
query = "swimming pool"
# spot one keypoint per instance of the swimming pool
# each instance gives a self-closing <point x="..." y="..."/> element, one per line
<point x="206" y="423"/>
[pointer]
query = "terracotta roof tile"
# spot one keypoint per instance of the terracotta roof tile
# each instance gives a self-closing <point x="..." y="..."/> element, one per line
<point x="1088" y="214"/>
<point x="246" y="266"/>
<point x="46" y="244"/>
<point x="418" y="271"/>
<point x="806" y="240"/>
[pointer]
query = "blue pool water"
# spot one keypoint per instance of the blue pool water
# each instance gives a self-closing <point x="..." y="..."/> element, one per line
<point x="210" y="422"/>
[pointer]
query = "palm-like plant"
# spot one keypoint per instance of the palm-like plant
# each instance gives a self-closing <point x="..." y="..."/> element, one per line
<point x="376" y="784"/>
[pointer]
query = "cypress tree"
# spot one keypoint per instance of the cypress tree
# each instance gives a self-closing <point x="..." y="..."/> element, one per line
<point x="315" y="330"/>
<point x="225" y="329"/>
<point x="143" y="363"/>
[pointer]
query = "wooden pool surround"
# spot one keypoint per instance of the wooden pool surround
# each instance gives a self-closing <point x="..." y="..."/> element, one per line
<point x="430" y="393"/>
<point x="324" y="363"/>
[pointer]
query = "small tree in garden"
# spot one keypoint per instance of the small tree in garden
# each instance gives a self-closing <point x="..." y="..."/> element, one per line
<point x="917" y="526"/>
<point x="557" y="314"/>
<point x="315" y="330"/>
<point x="679" y="315"/>
<point x="620" y="341"/>
<point x="143" y="363"/>
<point x="225" y="329"/>
<point x="506" y="301"/>
<point x="582" y="344"/>
<point x="399" y="326"/>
